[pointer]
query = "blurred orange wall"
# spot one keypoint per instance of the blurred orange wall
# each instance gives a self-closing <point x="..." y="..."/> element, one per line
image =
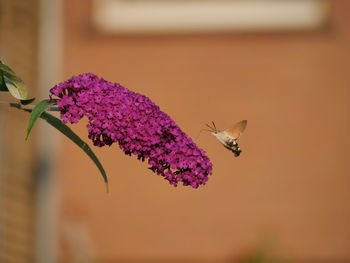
<point x="291" y="183"/>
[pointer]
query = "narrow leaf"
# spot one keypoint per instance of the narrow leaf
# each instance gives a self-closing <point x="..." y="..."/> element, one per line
<point x="2" y="83"/>
<point x="59" y="125"/>
<point x="36" y="113"/>
<point x="5" y="68"/>
<point x="16" y="86"/>
<point x="13" y="83"/>
<point x="26" y="102"/>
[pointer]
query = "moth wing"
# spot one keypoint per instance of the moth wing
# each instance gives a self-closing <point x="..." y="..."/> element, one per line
<point x="236" y="130"/>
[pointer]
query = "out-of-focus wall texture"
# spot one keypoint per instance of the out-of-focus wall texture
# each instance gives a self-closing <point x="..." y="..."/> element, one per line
<point x="290" y="185"/>
<point x="19" y="49"/>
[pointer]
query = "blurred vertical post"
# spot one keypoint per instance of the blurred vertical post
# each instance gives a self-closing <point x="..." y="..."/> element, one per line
<point x="49" y="64"/>
<point x="30" y="44"/>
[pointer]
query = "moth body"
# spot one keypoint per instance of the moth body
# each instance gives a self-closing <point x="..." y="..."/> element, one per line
<point x="228" y="142"/>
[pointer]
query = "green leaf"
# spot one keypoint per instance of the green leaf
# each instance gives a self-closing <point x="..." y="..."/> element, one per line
<point x="36" y="113"/>
<point x="26" y="102"/>
<point x="13" y="83"/>
<point x="16" y="86"/>
<point x="5" y="68"/>
<point x="2" y="83"/>
<point x="59" y="125"/>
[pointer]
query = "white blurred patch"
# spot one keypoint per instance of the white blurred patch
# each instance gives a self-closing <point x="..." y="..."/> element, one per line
<point x="178" y="16"/>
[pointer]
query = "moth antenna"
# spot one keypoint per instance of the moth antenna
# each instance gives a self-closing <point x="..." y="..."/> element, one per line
<point x="211" y="128"/>
<point x="214" y="125"/>
<point x="201" y="131"/>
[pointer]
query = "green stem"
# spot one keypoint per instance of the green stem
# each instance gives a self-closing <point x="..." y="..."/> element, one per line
<point x="31" y="106"/>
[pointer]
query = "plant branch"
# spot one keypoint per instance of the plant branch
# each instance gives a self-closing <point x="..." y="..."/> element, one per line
<point x="28" y="107"/>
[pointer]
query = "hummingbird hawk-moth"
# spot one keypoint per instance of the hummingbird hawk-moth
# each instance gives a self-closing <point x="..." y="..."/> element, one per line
<point x="228" y="138"/>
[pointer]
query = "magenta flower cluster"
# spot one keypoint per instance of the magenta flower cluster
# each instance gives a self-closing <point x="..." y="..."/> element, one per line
<point x="117" y="114"/>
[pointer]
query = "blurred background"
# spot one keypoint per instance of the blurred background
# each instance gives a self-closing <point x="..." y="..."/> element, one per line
<point x="281" y="64"/>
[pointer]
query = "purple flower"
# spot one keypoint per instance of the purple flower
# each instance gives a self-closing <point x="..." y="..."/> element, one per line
<point x="117" y="114"/>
